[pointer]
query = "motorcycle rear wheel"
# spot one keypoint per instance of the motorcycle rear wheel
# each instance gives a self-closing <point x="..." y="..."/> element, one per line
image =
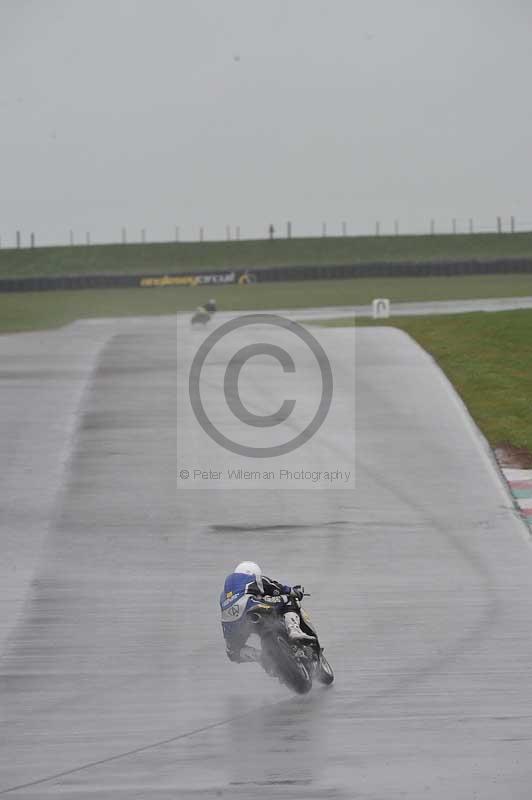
<point x="292" y="671"/>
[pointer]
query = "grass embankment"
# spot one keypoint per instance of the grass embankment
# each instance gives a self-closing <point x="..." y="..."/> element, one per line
<point x="488" y="358"/>
<point x="38" y="310"/>
<point x="182" y="257"/>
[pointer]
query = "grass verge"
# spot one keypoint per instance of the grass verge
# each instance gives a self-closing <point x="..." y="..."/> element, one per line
<point x="38" y="310"/>
<point x="164" y="257"/>
<point x="487" y="357"/>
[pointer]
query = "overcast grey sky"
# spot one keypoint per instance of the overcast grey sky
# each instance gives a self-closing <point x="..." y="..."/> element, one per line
<point x="156" y="113"/>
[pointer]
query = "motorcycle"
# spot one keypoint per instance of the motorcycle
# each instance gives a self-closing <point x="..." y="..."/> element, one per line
<point x="200" y="317"/>
<point x="295" y="664"/>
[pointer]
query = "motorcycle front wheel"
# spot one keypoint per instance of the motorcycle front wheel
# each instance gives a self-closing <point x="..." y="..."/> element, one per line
<point x="324" y="671"/>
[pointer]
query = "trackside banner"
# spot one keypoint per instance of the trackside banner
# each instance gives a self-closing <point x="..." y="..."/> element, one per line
<point x="189" y="280"/>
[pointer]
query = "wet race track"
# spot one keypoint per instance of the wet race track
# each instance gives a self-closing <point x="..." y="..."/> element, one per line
<point x="114" y="681"/>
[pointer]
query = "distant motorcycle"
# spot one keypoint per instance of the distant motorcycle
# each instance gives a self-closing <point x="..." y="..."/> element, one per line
<point x="203" y="314"/>
<point x="295" y="664"/>
<point x="200" y="317"/>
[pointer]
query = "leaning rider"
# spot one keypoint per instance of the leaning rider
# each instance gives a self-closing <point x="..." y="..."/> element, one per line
<point x="247" y="577"/>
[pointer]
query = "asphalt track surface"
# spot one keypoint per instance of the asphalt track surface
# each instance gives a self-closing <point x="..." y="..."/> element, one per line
<point x="113" y="679"/>
<point x="429" y="307"/>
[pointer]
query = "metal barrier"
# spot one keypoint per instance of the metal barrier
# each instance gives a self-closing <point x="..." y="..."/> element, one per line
<point x="402" y="269"/>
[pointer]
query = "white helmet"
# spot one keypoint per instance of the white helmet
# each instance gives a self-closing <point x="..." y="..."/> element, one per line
<point x="250" y="568"/>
